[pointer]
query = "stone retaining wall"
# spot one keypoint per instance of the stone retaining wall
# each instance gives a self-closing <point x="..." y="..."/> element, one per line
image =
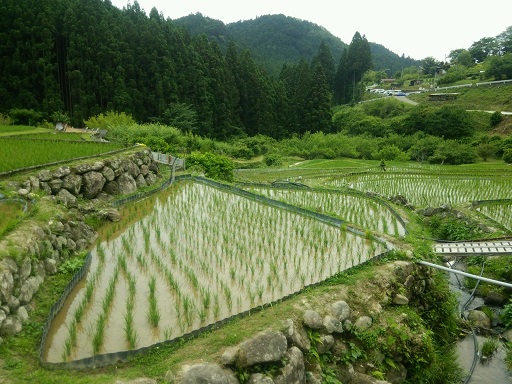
<point x="33" y="251"/>
<point x="313" y="348"/>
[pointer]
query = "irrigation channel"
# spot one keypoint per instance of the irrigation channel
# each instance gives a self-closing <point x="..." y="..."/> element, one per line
<point x="203" y="253"/>
<point x="477" y="369"/>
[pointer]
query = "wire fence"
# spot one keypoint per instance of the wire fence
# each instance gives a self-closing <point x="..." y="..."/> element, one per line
<point x="107" y="359"/>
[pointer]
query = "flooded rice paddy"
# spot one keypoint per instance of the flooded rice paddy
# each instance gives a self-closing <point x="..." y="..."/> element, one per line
<point x="200" y="255"/>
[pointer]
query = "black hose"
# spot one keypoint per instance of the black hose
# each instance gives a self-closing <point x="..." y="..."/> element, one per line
<point x="475" y="342"/>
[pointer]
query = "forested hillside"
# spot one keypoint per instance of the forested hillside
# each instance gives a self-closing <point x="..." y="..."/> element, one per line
<point x="79" y="58"/>
<point x="275" y="40"/>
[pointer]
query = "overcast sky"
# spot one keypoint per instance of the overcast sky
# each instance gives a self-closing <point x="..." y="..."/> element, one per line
<point x="414" y="28"/>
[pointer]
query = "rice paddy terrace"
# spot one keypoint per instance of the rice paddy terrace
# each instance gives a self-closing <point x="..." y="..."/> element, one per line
<point x="197" y="253"/>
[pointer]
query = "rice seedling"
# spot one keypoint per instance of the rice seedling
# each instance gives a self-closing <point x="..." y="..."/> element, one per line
<point x="154" y="312"/>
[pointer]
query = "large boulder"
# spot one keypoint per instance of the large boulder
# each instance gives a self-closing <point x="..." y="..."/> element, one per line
<point x="293" y="372"/>
<point x="313" y="319"/>
<point x="126" y="184"/>
<point x="6" y="285"/>
<point x="93" y="183"/>
<point x="340" y="310"/>
<point x="296" y="335"/>
<point x="72" y="183"/>
<point x="266" y="347"/>
<point x="207" y="373"/>
<point x="11" y="326"/>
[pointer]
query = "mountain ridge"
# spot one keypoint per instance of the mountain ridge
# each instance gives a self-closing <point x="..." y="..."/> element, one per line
<point x="275" y="40"/>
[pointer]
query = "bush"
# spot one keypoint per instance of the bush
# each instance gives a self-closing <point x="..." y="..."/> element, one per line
<point x="273" y="159"/>
<point x="507" y="156"/>
<point x="215" y="166"/>
<point x="496" y="118"/>
<point x="110" y="119"/>
<point x="25" y="116"/>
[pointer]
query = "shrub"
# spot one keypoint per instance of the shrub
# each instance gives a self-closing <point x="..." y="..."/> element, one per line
<point x="273" y="159"/>
<point x="111" y="118"/>
<point x="507" y="156"/>
<point x="215" y="166"/>
<point x="496" y="118"/>
<point x="25" y="116"/>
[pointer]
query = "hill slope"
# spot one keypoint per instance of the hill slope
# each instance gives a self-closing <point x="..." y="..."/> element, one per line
<point x="274" y="40"/>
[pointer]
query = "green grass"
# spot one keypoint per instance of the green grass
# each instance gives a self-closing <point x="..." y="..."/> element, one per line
<point x="11" y="212"/>
<point x="487" y="98"/>
<point x="8" y="130"/>
<point x="18" y="153"/>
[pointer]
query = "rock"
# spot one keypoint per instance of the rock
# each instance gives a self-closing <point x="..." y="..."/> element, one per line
<point x="312" y="378"/>
<point x="361" y="378"/>
<point x="345" y="372"/>
<point x="111" y="214"/>
<point x="25" y="268"/>
<point x="72" y="183"/>
<point x="50" y="266"/>
<point x="293" y="372"/>
<point x="325" y="344"/>
<point x="81" y="245"/>
<point x="495" y="299"/>
<point x="11" y="326"/>
<point x="97" y="166"/>
<point x="313" y="319"/>
<point x="339" y="348"/>
<point x="126" y="184"/>
<point x="144" y="169"/>
<point x="403" y="269"/>
<point x="108" y="174"/>
<point x="265" y="347"/>
<point x="61" y="172"/>
<point x="397" y="374"/>
<point x="3" y="316"/>
<point x="111" y="187"/>
<point x="22" y="314"/>
<point x="479" y="319"/>
<point x="150" y="178"/>
<point x="332" y="324"/>
<point x="400" y="299"/>
<point x="140" y="380"/>
<point x="340" y="310"/>
<point x="55" y="185"/>
<point x="409" y="281"/>
<point x="363" y="323"/>
<point x="67" y="198"/>
<point x="131" y="168"/>
<point x="229" y="356"/>
<point x="140" y="181"/>
<point x="13" y="304"/>
<point x="296" y="335"/>
<point x="6" y="285"/>
<point x="44" y="175"/>
<point x="207" y="373"/>
<point x="28" y="289"/>
<point x="93" y="183"/>
<point x="22" y="192"/>
<point x="259" y="378"/>
<point x="45" y="187"/>
<point x="507" y="335"/>
<point x="34" y="183"/>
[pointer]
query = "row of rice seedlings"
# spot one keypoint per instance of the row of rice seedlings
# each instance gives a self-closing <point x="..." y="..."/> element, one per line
<point x="501" y="213"/>
<point x="154" y="312"/>
<point x="428" y="190"/>
<point x="221" y="253"/>
<point x="99" y="331"/>
<point x="361" y="211"/>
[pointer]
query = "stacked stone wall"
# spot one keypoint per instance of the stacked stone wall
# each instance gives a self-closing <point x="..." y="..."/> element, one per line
<point x="35" y="250"/>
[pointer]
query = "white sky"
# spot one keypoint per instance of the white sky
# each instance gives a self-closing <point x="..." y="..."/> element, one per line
<point x="414" y="28"/>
